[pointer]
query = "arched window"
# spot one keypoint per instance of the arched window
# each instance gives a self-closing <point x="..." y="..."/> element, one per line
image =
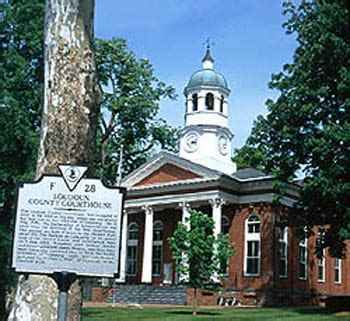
<point x="194" y="102"/>
<point x="283" y="249"/>
<point x="321" y="261"/>
<point x="303" y="259"/>
<point x="252" y="246"/>
<point x="209" y="101"/>
<point x="225" y="229"/>
<point x="131" y="257"/>
<point x="157" y="258"/>
<point x="222" y="100"/>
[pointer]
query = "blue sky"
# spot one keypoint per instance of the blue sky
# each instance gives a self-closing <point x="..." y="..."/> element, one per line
<point x="250" y="45"/>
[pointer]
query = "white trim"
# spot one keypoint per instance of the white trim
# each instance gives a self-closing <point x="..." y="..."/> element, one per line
<point x="303" y="244"/>
<point x="323" y="266"/>
<point x="158" y="243"/>
<point x="203" y="197"/>
<point x="283" y="240"/>
<point x="167" y="158"/>
<point x="132" y="243"/>
<point x="251" y="237"/>
<point x="339" y="268"/>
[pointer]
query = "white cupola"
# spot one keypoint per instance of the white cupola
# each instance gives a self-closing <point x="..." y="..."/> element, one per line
<point x="206" y="137"/>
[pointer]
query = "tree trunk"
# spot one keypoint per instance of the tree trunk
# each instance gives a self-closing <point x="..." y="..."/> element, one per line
<point x="68" y="130"/>
<point x="194" y="302"/>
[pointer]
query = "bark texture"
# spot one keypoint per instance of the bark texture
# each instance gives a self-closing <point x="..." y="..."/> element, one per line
<point x="68" y="130"/>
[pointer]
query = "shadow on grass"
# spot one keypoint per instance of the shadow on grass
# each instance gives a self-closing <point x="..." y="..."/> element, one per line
<point x="313" y="310"/>
<point x="189" y="312"/>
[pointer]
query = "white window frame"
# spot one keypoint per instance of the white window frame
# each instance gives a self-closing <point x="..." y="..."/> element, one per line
<point x="337" y="267"/>
<point x="132" y="243"/>
<point x="303" y="245"/>
<point x="321" y="263"/>
<point x="158" y="243"/>
<point x="252" y="237"/>
<point x="283" y="241"/>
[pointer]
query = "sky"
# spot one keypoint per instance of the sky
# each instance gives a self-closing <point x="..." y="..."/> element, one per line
<point x="249" y="45"/>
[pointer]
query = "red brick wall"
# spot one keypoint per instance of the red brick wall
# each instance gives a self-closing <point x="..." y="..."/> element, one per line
<point x="256" y="290"/>
<point x="167" y="173"/>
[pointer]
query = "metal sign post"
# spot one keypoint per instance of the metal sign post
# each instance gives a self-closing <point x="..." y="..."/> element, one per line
<point x="68" y="226"/>
<point x="64" y="280"/>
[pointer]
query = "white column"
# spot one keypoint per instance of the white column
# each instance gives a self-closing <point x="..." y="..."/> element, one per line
<point x="147" y="246"/>
<point x="123" y="248"/>
<point x="185" y="214"/>
<point x="217" y="214"/>
<point x="216" y="204"/>
<point x="185" y="217"/>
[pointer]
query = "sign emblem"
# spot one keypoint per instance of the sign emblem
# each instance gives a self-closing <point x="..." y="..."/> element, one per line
<point x="72" y="175"/>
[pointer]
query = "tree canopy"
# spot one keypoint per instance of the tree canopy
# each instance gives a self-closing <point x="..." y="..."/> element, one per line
<point x="131" y="101"/>
<point x="198" y="253"/>
<point x="131" y="98"/>
<point x="306" y="133"/>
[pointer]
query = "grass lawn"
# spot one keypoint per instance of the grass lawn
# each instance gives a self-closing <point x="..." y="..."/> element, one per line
<point x="184" y="314"/>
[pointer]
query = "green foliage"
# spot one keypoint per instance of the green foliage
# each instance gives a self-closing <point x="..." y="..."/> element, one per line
<point x="131" y="98"/>
<point x="197" y="252"/>
<point x="21" y="88"/>
<point x="307" y="129"/>
<point x="129" y="108"/>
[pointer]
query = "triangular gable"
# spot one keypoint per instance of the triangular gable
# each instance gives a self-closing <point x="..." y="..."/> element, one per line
<point x="167" y="173"/>
<point x="166" y="167"/>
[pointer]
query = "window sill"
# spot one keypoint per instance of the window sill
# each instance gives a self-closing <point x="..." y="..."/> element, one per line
<point x="247" y="275"/>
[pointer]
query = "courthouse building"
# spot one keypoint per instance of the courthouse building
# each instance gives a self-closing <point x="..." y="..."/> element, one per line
<point x="270" y="264"/>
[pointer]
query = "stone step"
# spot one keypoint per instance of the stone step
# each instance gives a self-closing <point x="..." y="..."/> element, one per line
<point x="150" y="294"/>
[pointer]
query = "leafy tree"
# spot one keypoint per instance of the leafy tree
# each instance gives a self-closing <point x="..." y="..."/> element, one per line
<point x="21" y="98"/>
<point x="307" y="129"/>
<point x="131" y="98"/>
<point x="198" y="253"/>
<point x="21" y="88"/>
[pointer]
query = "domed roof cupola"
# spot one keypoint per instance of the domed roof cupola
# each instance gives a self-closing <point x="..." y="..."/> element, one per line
<point x="207" y="76"/>
<point x="206" y="137"/>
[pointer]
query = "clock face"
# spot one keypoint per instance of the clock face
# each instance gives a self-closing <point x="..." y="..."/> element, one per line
<point x="223" y="144"/>
<point x="191" y="142"/>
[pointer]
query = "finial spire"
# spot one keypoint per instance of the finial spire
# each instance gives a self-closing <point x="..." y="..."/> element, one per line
<point x="208" y="61"/>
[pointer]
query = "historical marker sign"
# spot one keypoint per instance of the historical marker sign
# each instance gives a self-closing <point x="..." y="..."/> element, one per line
<point x="68" y="223"/>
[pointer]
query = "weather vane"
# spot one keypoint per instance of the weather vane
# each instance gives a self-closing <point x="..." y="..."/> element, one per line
<point x="208" y="43"/>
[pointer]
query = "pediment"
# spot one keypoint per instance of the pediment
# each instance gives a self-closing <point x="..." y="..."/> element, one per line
<point x="166" y="168"/>
<point x="167" y="173"/>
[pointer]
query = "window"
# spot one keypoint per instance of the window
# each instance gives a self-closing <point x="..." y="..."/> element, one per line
<point x="194" y="102"/>
<point x="303" y="259"/>
<point x="337" y="270"/>
<point x="209" y="101"/>
<point x="321" y="268"/>
<point x="131" y="257"/>
<point x="225" y="229"/>
<point x="222" y="100"/>
<point x="321" y="262"/>
<point x="283" y="249"/>
<point x="158" y="228"/>
<point x="252" y="246"/>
